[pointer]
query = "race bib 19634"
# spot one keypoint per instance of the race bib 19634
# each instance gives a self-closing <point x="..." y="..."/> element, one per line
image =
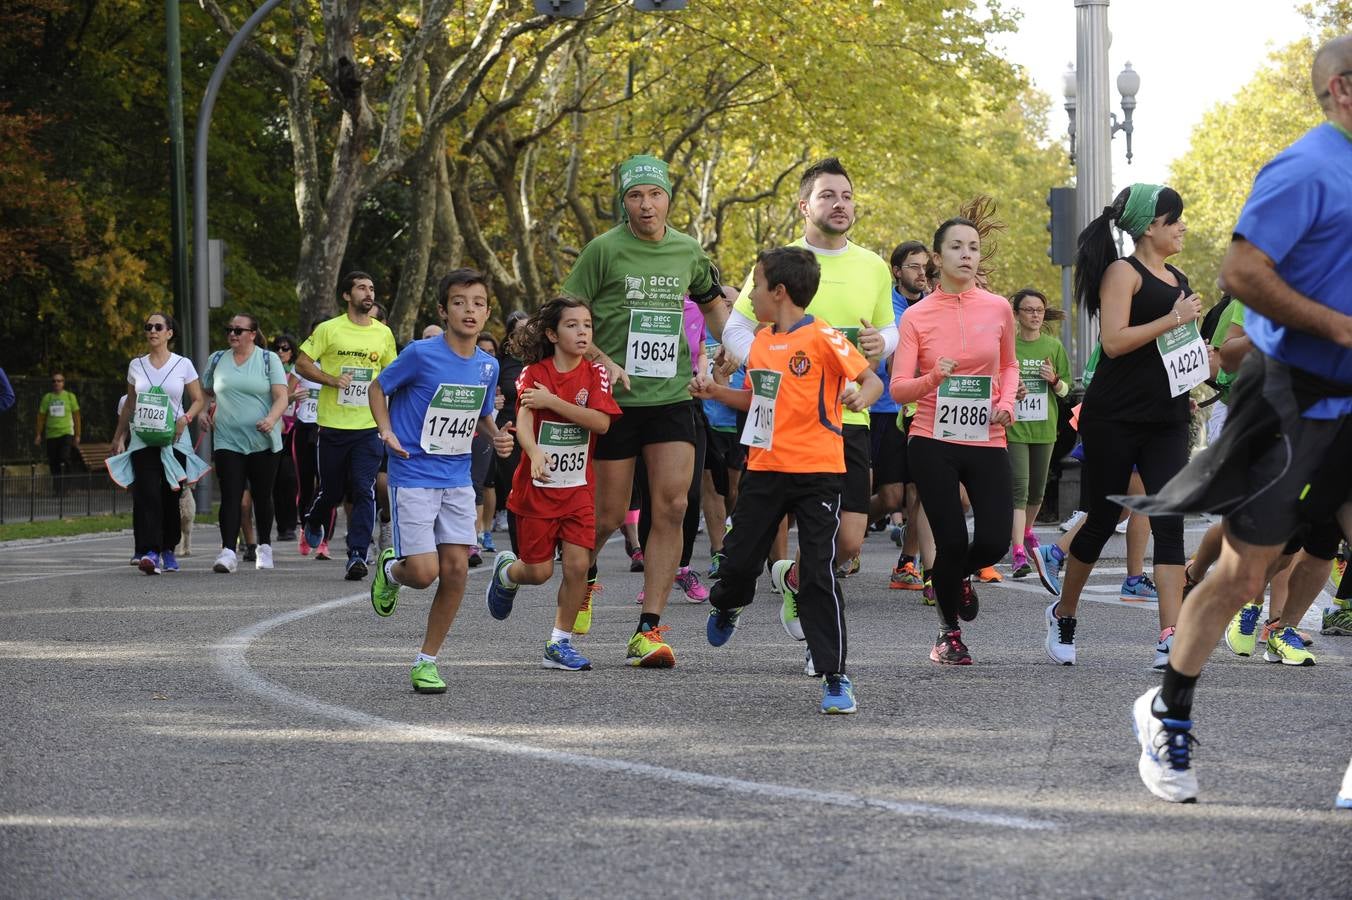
<point x="654" y="343"/>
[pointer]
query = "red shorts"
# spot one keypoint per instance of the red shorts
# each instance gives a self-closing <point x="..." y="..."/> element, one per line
<point x="538" y="538"/>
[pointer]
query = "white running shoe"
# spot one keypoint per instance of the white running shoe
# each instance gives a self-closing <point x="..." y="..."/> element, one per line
<point x="1121" y="527"/>
<point x="1074" y="520"/>
<point x="1166" y="752"/>
<point x="1162" y="649"/>
<point x="1060" y="641"/>
<point x="264" y="557"/>
<point x="810" y="671"/>
<point x="1344" y="798"/>
<point x="226" y="561"/>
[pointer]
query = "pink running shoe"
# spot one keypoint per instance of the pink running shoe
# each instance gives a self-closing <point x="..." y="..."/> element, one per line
<point x="322" y="551"/>
<point x="689" y="582"/>
<point x="1030" y="541"/>
<point x="304" y="544"/>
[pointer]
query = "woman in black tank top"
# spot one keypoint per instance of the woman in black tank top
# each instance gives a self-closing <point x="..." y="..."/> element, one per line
<point x="1136" y="410"/>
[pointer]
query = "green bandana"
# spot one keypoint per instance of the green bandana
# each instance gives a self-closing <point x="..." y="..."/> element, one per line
<point x="1140" y="209"/>
<point x="641" y="169"/>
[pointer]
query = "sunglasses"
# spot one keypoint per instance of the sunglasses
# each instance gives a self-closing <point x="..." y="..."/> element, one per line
<point x="237" y="331"/>
<point x="155" y="326"/>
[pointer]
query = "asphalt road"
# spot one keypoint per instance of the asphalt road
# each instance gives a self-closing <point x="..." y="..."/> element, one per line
<point x="255" y="735"/>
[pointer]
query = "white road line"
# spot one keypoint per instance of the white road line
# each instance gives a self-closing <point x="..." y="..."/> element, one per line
<point x="63" y="574"/>
<point x="231" y="658"/>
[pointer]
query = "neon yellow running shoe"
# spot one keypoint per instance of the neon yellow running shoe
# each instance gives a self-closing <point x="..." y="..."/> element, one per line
<point x="1242" y="635"/>
<point x="1287" y="648"/>
<point x="425" y="678"/>
<point x="648" y="650"/>
<point x="788" y="610"/>
<point x="384" y="593"/>
<point x="582" y="624"/>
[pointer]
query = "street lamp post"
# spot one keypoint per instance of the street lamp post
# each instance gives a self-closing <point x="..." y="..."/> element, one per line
<point x="1092" y="127"/>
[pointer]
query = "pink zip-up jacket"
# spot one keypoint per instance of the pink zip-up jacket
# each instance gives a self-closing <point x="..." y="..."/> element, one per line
<point x="977" y="329"/>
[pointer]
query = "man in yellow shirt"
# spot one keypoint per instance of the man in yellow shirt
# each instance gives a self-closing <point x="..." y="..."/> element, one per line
<point x="855" y="297"/>
<point x="351" y="349"/>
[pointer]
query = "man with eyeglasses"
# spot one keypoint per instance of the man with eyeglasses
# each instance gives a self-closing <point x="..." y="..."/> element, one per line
<point x="1280" y="467"/>
<point x="352" y="349"/>
<point x="59" y="424"/>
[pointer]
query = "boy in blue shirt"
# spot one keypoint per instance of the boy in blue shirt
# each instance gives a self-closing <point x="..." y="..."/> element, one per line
<point x="427" y="405"/>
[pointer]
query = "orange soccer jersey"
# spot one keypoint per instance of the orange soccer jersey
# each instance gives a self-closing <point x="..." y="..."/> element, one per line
<point x="796" y="379"/>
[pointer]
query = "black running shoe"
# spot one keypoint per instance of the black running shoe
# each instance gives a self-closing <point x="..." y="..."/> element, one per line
<point x="949" y="650"/>
<point x="968" y="606"/>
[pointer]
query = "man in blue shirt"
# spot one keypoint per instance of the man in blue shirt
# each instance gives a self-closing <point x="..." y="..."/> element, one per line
<point x="890" y="472"/>
<point x="427" y="405"/>
<point x="1281" y="464"/>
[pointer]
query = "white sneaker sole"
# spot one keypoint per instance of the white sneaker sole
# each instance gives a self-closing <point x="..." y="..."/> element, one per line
<point x="1146" y="766"/>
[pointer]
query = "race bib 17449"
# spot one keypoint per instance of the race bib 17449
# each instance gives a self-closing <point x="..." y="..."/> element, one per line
<point x="451" y="418"/>
<point x="962" y="411"/>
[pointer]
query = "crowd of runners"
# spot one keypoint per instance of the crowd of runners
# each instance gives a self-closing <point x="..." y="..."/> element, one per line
<point x="834" y="392"/>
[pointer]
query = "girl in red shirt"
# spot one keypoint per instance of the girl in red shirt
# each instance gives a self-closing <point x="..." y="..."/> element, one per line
<point x="563" y="402"/>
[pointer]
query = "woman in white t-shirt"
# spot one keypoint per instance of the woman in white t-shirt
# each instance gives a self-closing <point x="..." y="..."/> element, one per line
<point x="156" y="386"/>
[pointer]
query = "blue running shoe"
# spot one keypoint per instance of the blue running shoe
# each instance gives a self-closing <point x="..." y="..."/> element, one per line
<point x="1139" y="589"/>
<point x="721" y="624"/>
<point x="499" y="597"/>
<point x="150" y="563"/>
<point x="715" y="564"/>
<point x="168" y="562"/>
<point x="1048" y="560"/>
<point x="837" y="696"/>
<point x="313" y="536"/>
<point x="486" y="542"/>
<point x="562" y="655"/>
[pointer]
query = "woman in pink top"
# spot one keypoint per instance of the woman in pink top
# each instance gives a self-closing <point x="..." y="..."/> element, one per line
<point x="956" y="360"/>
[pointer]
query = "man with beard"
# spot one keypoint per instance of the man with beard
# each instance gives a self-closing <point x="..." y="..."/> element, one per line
<point x="352" y="349"/>
<point x="855" y="297"/>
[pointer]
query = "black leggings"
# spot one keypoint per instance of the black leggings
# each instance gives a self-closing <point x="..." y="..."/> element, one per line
<point x="154" y="517"/>
<point x="284" y="488"/>
<point x="1158" y="451"/>
<point x="233" y="469"/>
<point x="304" y="440"/>
<point x="938" y="467"/>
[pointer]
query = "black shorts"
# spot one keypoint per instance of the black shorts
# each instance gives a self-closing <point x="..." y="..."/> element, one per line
<point x="1319" y="540"/>
<point x="644" y="425"/>
<point x="1272" y="471"/>
<point x="725" y="454"/>
<point x="858" y="469"/>
<point x="889" y="449"/>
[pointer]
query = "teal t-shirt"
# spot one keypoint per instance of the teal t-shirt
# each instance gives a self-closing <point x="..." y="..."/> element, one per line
<point x="1031" y="355"/>
<point x="60" y="411"/>
<point x="243" y="396"/>
<point x="637" y="290"/>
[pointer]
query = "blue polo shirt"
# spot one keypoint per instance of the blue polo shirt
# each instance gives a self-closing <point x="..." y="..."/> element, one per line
<point x="885" y="404"/>
<point x="1300" y="214"/>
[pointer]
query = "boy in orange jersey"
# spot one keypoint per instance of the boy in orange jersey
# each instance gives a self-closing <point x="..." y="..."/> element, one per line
<point x="799" y="373"/>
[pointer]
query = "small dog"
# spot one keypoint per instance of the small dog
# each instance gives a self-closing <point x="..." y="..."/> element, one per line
<point x="187" y="512"/>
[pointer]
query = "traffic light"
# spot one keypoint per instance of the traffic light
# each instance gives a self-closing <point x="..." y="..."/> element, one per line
<point x="1061" y="202"/>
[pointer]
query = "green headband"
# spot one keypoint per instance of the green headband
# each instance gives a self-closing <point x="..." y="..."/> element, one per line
<point x="1140" y="209"/>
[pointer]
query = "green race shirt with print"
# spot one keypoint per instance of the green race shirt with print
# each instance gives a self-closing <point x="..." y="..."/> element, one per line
<point x="60" y="411"/>
<point x="1030" y="355"/>
<point x="856" y="284"/>
<point x="339" y="345"/>
<point x="636" y="290"/>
